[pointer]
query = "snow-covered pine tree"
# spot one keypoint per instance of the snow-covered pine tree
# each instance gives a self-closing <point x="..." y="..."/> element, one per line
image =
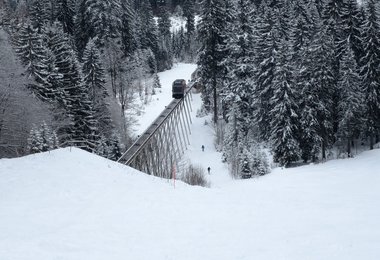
<point x="19" y="110"/>
<point x="333" y="16"/>
<point x="33" y="55"/>
<point x="189" y="14"/>
<point x="49" y="140"/>
<point x="64" y="12"/>
<point x="163" y="23"/>
<point x="93" y="73"/>
<point x="101" y="148"/>
<point x="34" y="141"/>
<point x="304" y="15"/>
<point x="164" y="55"/>
<point x="97" y="19"/>
<point x="303" y="36"/>
<point x="148" y="31"/>
<point x="240" y="67"/>
<point x="40" y="14"/>
<point x="178" y="44"/>
<point x="94" y="80"/>
<point x="370" y="70"/>
<point x="83" y="29"/>
<point x="259" y="160"/>
<point x="128" y="32"/>
<point x="309" y="138"/>
<point x="318" y="87"/>
<point x="81" y="126"/>
<point x="284" y="115"/>
<point x="211" y="33"/>
<point x="114" y="148"/>
<point x="110" y="147"/>
<point x="266" y="37"/>
<point x="156" y="79"/>
<point x="85" y="131"/>
<point x="351" y="103"/>
<point x="42" y="139"/>
<point x="352" y="22"/>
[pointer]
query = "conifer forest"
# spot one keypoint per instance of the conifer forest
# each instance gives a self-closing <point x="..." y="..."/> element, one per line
<point x="297" y="78"/>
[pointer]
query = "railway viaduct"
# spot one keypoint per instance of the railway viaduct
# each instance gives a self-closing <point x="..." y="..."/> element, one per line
<point x="159" y="149"/>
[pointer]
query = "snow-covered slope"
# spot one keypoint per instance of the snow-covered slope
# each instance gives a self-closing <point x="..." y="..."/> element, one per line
<point x="69" y="204"/>
<point x="72" y="205"/>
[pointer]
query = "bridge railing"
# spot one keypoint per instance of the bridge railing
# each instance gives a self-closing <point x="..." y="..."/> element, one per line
<point x="161" y="146"/>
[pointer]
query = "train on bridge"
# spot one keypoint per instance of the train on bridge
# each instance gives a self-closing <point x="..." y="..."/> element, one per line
<point x="178" y="88"/>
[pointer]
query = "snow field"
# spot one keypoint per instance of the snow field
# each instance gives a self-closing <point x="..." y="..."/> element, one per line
<point x="70" y="204"/>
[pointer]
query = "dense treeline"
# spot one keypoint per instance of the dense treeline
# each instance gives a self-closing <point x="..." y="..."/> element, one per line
<point x="300" y="75"/>
<point x="87" y="64"/>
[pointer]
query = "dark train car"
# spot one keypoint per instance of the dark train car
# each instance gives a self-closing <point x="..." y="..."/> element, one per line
<point x="178" y="88"/>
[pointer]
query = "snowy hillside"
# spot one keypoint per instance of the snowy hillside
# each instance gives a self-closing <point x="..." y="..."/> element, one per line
<point x="69" y="204"/>
<point x="72" y="205"/>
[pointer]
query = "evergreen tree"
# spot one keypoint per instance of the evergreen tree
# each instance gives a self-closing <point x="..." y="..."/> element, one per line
<point x="34" y="141"/>
<point x="105" y="19"/>
<point x="259" y="161"/>
<point x="350" y="106"/>
<point x="164" y="55"/>
<point x="29" y="46"/>
<point x="164" y="23"/>
<point x="240" y="67"/>
<point x="81" y="126"/>
<point x="310" y="139"/>
<point x="370" y="70"/>
<point x="93" y="73"/>
<point x="49" y="140"/>
<point x="352" y="26"/>
<point x="114" y="148"/>
<point x="83" y="29"/>
<point x="317" y="83"/>
<point x="94" y="81"/>
<point x="148" y="28"/>
<point x="266" y="38"/>
<point x="157" y="83"/>
<point x="65" y="12"/>
<point x="188" y="7"/>
<point x="333" y="23"/>
<point x="128" y="33"/>
<point x="284" y="116"/>
<point x="40" y="14"/>
<point x="42" y="139"/>
<point x="211" y="31"/>
<point x="97" y="19"/>
<point x="303" y="29"/>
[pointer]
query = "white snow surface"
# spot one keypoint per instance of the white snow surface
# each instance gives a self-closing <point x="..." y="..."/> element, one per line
<point x="68" y="204"/>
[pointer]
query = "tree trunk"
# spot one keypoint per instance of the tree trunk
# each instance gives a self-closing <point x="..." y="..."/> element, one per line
<point x="349" y="148"/>
<point x="371" y="142"/>
<point x="215" y="107"/>
<point x="323" y="149"/>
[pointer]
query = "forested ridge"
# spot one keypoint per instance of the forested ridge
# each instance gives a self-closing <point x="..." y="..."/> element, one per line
<point x="298" y="77"/>
<point x="75" y="71"/>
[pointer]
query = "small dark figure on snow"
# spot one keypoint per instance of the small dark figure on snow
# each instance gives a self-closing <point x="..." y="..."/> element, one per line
<point x="208" y="170"/>
<point x="203" y="148"/>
